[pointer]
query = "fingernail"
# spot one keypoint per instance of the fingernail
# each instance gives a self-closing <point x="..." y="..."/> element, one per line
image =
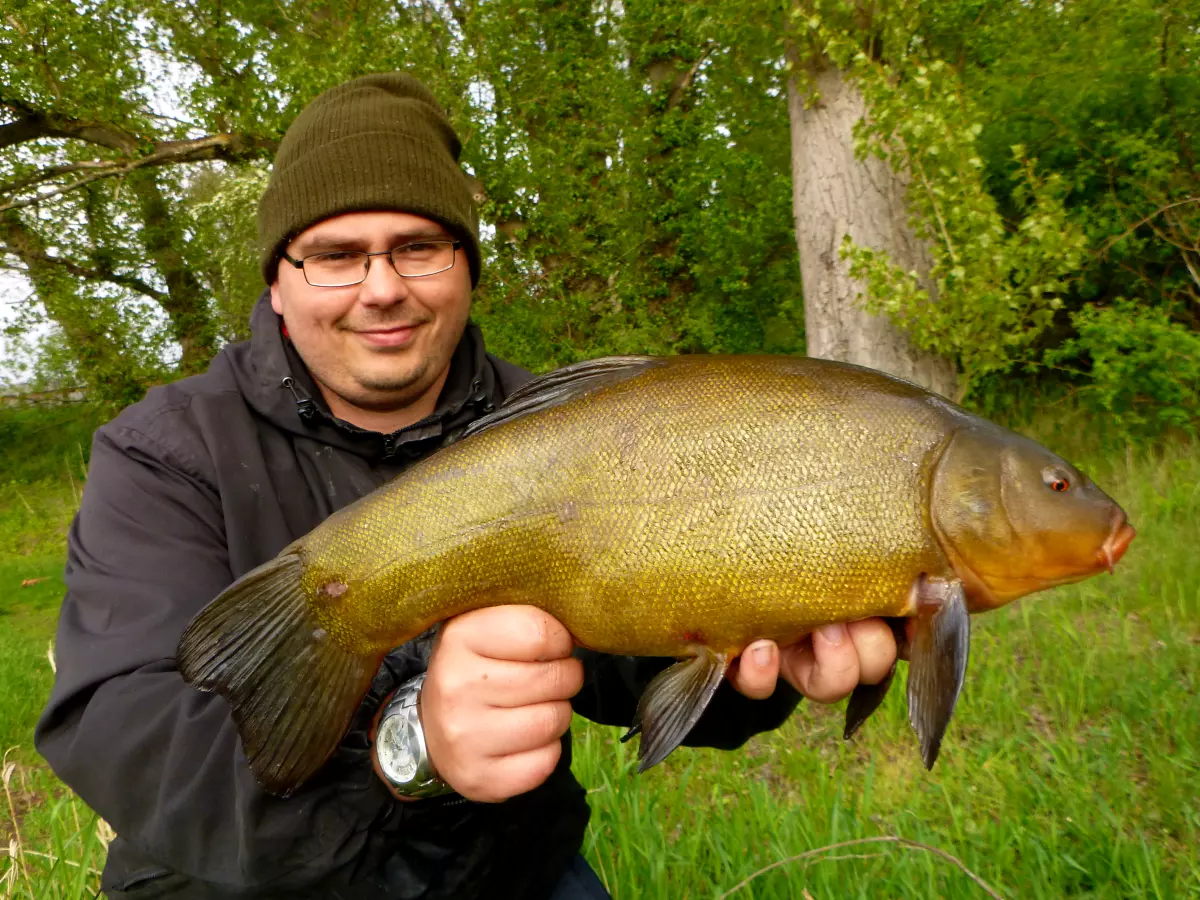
<point x="762" y="655"/>
<point x="833" y="634"/>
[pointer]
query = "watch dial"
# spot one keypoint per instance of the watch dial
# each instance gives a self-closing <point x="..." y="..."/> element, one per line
<point x="395" y="746"/>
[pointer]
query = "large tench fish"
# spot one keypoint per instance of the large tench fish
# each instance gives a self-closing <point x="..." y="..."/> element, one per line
<point x="679" y="507"/>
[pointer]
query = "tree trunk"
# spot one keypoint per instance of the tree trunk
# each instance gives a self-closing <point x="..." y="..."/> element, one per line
<point x="836" y="194"/>
<point x="186" y="302"/>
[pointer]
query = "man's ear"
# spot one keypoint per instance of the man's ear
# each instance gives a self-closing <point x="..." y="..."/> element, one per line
<point x="276" y="303"/>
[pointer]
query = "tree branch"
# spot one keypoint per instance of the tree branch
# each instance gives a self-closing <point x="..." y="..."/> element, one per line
<point x="226" y="147"/>
<point x="53" y="172"/>
<point x="682" y="85"/>
<point x="34" y="124"/>
<point x="30" y="253"/>
<point x="1138" y="224"/>
<point x="104" y="274"/>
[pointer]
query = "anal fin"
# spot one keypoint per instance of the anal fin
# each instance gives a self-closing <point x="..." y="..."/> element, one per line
<point x="868" y="697"/>
<point x="673" y="702"/>
<point x="937" y="662"/>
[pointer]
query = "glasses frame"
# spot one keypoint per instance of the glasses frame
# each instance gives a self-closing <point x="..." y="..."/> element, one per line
<point x="299" y="263"/>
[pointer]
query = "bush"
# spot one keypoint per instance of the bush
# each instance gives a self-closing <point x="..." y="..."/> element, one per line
<point x="1143" y="369"/>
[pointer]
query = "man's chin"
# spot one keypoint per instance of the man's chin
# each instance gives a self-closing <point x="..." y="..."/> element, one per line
<point x="385" y="394"/>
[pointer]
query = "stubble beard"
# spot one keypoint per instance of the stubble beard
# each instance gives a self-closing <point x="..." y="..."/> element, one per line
<point x="387" y="391"/>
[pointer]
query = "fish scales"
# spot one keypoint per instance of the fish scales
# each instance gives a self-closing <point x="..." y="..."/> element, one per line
<point x="742" y="502"/>
<point x="665" y="507"/>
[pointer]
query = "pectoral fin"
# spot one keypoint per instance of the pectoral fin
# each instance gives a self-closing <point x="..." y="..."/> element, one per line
<point x="672" y="703"/>
<point x="868" y="697"/>
<point x="937" y="662"/>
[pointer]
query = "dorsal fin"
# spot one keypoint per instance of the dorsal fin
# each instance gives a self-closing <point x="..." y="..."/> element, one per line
<point x="561" y="385"/>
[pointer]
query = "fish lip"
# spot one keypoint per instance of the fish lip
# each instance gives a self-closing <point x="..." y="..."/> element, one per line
<point x="1117" y="542"/>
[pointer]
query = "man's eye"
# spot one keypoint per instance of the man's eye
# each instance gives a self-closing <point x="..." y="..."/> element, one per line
<point x="334" y="257"/>
<point x="415" y="249"/>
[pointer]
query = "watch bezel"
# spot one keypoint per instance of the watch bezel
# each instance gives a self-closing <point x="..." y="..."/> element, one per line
<point x="405" y="706"/>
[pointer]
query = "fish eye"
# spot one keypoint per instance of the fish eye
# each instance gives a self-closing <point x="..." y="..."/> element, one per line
<point x="1056" y="480"/>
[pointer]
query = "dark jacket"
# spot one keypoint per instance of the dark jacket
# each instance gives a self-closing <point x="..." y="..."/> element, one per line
<point x="197" y="484"/>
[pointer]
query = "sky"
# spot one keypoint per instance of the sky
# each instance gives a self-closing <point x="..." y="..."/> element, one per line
<point x="13" y="291"/>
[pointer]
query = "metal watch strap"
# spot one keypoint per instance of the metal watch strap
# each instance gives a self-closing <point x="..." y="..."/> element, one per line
<point x="400" y="745"/>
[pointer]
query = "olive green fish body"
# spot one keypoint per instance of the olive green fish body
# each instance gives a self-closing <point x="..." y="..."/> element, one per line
<point x="691" y="504"/>
<point x="663" y="507"/>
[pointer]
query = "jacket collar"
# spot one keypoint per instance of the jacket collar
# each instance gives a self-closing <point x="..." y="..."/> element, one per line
<point x="279" y="387"/>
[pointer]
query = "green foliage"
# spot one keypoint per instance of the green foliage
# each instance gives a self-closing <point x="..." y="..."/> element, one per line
<point x="993" y="289"/>
<point x="1143" y="368"/>
<point x="43" y="465"/>
<point x="35" y="439"/>
<point x="632" y="166"/>
<point x="225" y="204"/>
<point x="636" y="173"/>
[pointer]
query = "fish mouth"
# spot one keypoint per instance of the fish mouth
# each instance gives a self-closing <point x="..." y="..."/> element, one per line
<point x="1117" y="542"/>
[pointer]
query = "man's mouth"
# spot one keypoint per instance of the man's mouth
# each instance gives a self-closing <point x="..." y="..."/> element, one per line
<point x="389" y="335"/>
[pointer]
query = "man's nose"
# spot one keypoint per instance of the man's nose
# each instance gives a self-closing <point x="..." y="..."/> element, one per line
<point x="382" y="286"/>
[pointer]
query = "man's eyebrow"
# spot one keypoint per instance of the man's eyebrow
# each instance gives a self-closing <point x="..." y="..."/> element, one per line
<point x="323" y="243"/>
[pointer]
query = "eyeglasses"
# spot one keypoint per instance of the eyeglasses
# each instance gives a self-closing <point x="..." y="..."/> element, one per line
<point x="343" y="268"/>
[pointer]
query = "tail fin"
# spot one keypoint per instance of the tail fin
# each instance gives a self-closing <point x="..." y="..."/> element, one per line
<point x="292" y="688"/>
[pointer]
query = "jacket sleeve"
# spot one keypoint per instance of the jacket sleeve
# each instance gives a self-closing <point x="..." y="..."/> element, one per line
<point x="159" y="760"/>
<point x="613" y="684"/>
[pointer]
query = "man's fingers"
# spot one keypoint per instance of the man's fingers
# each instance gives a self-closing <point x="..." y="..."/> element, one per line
<point x="506" y="683"/>
<point x="527" y="728"/>
<point x="523" y="633"/>
<point x="824" y="667"/>
<point x="876" y="647"/>
<point x="515" y="684"/>
<point x="755" y="671"/>
<point x="510" y="775"/>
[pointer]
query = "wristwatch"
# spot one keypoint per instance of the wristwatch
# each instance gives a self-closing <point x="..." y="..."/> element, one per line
<point x="400" y="746"/>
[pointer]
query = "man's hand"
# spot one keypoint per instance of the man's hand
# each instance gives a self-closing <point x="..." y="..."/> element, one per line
<point x="826" y="666"/>
<point x="496" y="700"/>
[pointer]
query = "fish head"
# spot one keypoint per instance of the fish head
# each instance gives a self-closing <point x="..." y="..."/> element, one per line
<point x="1014" y="518"/>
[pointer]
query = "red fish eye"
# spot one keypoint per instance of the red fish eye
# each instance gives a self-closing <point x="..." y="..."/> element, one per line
<point x="1056" y="479"/>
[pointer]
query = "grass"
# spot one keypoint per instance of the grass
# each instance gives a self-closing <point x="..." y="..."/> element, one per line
<point x="57" y="841"/>
<point x="1070" y="770"/>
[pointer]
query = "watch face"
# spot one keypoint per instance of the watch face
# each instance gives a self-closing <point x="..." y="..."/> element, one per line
<point x="395" y="746"/>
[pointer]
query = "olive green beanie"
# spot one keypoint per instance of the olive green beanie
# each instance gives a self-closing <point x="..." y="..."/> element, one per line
<point x="378" y="142"/>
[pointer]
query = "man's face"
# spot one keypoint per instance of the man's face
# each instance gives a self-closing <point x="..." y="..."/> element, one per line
<point x="384" y="343"/>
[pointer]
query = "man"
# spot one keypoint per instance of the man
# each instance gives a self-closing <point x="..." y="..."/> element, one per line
<point x="362" y="360"/>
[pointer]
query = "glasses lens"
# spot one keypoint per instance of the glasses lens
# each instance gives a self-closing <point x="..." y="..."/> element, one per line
<point x="423" y="258"/>
<point x="335" y="269"/>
